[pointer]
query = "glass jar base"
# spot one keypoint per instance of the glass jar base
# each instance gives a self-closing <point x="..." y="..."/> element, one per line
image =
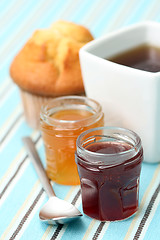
<point x="64" y="180"/>
<point x="117" y="220"/>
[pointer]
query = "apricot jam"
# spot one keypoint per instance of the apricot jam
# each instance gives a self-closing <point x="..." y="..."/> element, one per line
<point x="109" y="164"/>
<point x="62" y="121"/>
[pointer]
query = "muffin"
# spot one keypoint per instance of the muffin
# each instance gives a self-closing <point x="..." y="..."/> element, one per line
<point x="48" y="66"/>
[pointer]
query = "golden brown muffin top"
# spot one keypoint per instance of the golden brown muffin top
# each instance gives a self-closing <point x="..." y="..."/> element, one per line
<point x="48" y="64"/>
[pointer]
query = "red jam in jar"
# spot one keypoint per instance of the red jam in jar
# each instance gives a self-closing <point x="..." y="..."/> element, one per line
<point x="109" y="164"/>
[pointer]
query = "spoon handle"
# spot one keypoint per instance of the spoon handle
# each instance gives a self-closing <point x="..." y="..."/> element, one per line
<point x="35" y="159"/>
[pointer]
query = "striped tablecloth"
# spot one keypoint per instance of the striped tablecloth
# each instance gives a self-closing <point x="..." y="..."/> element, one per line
<point x="21" y="194"/>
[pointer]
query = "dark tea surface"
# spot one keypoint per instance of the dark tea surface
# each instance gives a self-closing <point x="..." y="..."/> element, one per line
<point x="143" y="57"/>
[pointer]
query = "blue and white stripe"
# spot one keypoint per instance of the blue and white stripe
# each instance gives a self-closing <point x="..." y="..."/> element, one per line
<point x="21" y="194"/>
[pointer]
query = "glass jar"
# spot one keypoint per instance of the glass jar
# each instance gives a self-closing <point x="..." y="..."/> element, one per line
<point x="61" y="122"/>
<point x="109" y="164"/>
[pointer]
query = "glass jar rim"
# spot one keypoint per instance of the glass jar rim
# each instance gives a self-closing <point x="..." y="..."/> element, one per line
<point x="121" y="155"/>
<point x="45" y="116"/>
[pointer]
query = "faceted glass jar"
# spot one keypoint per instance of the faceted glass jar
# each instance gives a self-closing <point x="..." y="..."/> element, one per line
<point x="109" y="164"/>
<point x="61" y="121"/>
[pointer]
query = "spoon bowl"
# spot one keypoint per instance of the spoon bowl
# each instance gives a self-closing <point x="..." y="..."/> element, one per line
<point x="56" y="210"/>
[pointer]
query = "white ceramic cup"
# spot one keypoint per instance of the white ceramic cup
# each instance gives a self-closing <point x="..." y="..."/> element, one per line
<point x="130" y="98"/>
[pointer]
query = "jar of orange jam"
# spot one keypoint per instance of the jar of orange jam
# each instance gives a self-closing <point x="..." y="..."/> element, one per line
<point x="62" y="120"/>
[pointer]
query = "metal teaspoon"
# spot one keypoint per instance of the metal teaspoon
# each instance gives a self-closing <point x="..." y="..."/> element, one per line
<point x="55" y="211"/>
